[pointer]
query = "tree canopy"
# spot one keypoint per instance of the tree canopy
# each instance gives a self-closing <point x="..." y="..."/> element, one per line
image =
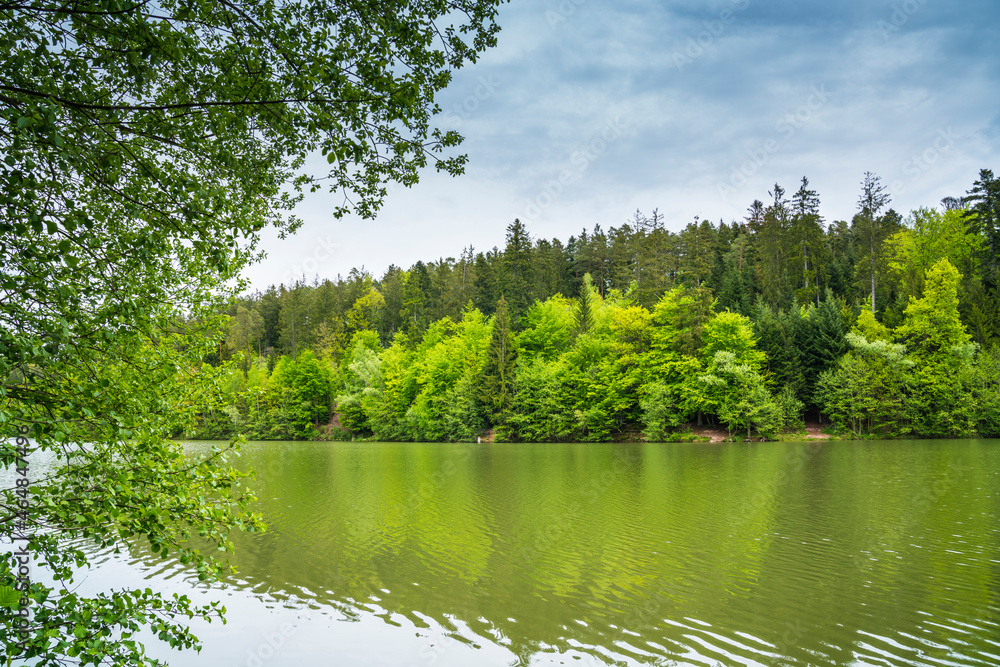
<point x="145" y="147"/>
<point x="622" y="330"/>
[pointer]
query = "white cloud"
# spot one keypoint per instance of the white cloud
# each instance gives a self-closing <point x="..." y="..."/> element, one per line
<point x="532" y="110"/>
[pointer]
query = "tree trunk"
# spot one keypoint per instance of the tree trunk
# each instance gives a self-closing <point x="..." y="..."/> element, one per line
<point x="873" y="276"/>
<point x="805" y="265"/>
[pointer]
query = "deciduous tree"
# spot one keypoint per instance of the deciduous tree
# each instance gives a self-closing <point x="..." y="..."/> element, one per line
<point x="145" y="147"/>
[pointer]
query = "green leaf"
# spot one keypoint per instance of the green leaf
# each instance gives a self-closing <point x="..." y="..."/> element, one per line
<point x="9" y="597"/>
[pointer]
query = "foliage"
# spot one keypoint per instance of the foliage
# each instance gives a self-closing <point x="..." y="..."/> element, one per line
<point x="791" y="407"/>
<point x="145" y="148"/>
<point x="362" y="381"/>
<point x="680" y="316"/>
<point x="549" y="328"/>
<point x="867" y="391"/>
<point x="496" y="388"/>
<point x="446" y="373"/>
<point x="660" y="413"/>
<point x="733" y="333"/>
<point x="742" y="397"/>
<point x="820" y="339"/>
<point x="635" y="348"/>
<point x="543" y="409"/>
<point x="128" y="482"/>
<point x="932" y="323"/>
<point x="984" y="214"/>
<point x="929" y="237"/>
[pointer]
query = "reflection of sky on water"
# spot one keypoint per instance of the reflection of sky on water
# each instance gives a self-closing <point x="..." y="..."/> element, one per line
<point x="400" y="554"/>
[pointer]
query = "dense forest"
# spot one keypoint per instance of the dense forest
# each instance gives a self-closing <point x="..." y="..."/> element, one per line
<point x="881" y="325"/>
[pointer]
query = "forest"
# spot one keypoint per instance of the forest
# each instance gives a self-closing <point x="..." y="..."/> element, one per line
<point x="880" y="326"/>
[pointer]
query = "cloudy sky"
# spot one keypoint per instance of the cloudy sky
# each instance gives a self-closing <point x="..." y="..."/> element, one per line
<point x="589" y="110"/>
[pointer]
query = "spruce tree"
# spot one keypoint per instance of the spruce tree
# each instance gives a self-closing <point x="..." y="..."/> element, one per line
<point x="984" y="198"/>
<point x="584" y="311"/>
<point x="807" y="234"/>
<point x="497" y="383"/>
<point x="870" y="226"/>
<point x="517" y="274"/>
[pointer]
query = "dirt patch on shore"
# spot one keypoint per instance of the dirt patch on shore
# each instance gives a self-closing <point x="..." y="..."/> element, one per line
<point x="713" y="433"/>
<point x="815" y="432"/>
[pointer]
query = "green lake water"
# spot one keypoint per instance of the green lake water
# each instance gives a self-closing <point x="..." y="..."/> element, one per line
<point x="824" y="553"/>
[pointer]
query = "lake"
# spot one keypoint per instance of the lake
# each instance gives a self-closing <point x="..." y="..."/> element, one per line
<point x="822" y="553"/>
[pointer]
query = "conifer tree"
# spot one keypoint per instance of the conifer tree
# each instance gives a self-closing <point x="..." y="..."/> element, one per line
<point x="984" y="198"/>
<point x="517" y="275"/>
<point x="584" y="306"/>
<point x="497" y="383"/>
<point x="772" y="241"/>
<point x="807" y="235"/>
<point x="871" y="227"/>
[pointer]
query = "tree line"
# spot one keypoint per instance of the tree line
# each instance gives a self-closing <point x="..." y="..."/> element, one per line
<point x="883" y="325"/>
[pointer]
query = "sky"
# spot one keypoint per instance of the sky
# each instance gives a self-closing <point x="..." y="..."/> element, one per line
<point x="588" y="111"/>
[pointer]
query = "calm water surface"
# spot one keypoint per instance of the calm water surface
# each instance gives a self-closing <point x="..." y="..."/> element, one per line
<point x="843" y="553"/>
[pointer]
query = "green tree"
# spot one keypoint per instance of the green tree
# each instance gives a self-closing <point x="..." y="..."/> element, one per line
<point x="981" y="313"/>
<point x="932" y="325"/>
<point x="660" y="411"/>
<point x="873" y="228"/>
<point x="298" y="396"/>
<point x="549" y="328"/>
<point x="244" y="335"/>
<point x="415" y="297"/>
<point x="737" y="279"/>
<point x="698" y="241"/>
<point x="938" y="341"/>
<point x="820" y="341"/>
<point x="743" y="400"/>
<point x="544" y="405"/>
<point x="806" y="234"/>
<point x="497" y="381"/>
<point x="365" y="313"/>
<point x="145" y="148"/>
<point x="392" y="287"/>
<point x="295" y="318"/>
<point x="585" y="306"/>
<point x="931" y="235"/>
<point x="680" y="316"/>
<point x="772" y="241"/>
<point x="517" y="274"/>
<point x="486" y="288"/>
<point x="778" y="335"/>
<point x="867" y="391"/>
<point x="445" y="371"/>
<point x="733" y="333"/>
<point x="984" y="211"/>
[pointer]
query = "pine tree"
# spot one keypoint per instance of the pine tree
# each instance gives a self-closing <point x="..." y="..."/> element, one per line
<point x="698" y="242"/>
<point x="517" y="276"/>
<point x="484" y="291"/>
<point x="736" y="280"/>
<point x="584" y="306"/>
<point x="415" y="294"/>
<point x="497" y="381"/>
<point x="985" y="211"/>
<point x="807" y="234"/>
<point x="821" y="342"/>
<point x="772" y="242"/>
<point x="870" y="225"/>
